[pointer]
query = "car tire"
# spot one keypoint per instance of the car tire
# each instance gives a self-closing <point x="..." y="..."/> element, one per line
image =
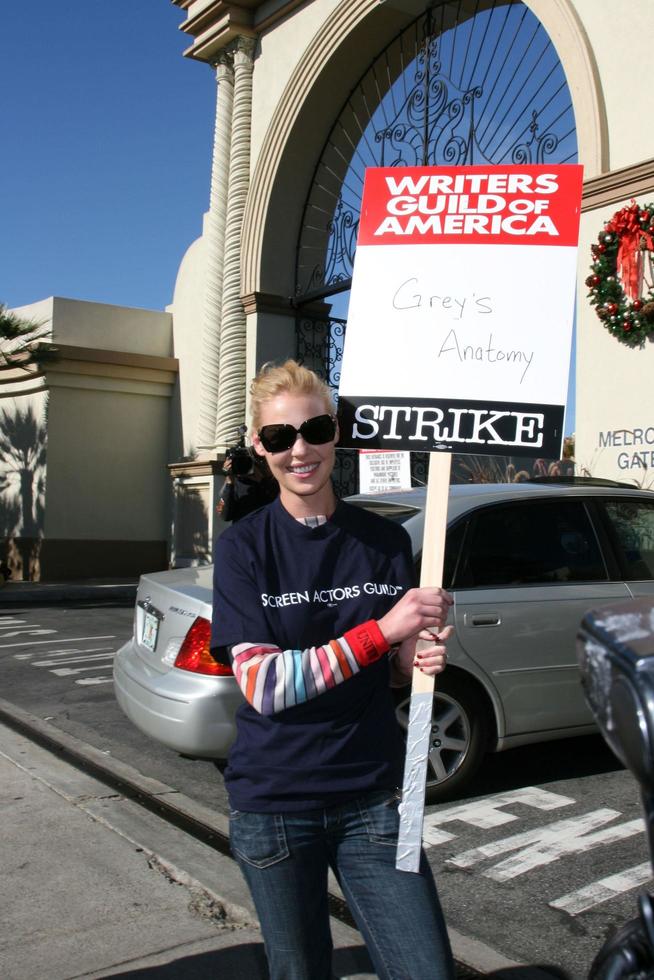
<point x="460" y="727"/>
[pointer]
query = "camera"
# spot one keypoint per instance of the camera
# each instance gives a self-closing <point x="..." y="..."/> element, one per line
<point x="240" y="456"/>
<point x="248" y="484"/>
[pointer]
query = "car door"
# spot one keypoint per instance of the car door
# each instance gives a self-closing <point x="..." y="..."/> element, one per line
<point x="630" y="525"/>
<point x="527" y="573"/>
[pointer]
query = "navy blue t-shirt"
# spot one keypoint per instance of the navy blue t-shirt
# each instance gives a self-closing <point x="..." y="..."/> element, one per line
<point x="278" y="581"/>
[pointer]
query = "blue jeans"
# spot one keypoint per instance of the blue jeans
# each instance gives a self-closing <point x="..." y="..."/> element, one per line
<point x="285" y="858"/>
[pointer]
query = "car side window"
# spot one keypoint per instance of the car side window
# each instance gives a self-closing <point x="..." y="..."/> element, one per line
<point x="453" y="546"/>
<point x="633" y="524"/>
<point x="530" y="543"/>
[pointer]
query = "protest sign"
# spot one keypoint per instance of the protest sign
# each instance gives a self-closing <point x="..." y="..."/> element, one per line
<point x="458" y="340"/>
<point x="460" y="320"/>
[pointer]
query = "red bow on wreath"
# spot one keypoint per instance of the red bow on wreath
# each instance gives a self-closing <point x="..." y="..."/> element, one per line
<point x="634" y="240"/>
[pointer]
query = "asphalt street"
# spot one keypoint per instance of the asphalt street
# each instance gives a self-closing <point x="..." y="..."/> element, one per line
<point x="539" y="864"/>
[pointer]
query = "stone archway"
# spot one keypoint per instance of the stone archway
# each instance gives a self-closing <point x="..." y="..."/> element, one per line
<point x="295" y="141"/>
<point x="350" y="37"/>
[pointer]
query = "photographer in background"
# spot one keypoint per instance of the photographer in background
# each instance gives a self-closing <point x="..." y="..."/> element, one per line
<point x="248" y="482"/>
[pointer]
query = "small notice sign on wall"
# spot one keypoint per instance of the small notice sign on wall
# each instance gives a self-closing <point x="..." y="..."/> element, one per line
<point x="461" y="311"/>
<point x="380" y="471"/>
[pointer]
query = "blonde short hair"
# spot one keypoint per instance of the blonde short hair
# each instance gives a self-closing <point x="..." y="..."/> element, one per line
<point x="288" y="377"/>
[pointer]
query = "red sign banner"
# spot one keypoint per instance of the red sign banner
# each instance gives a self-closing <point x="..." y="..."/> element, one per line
<point x="511" y="205"/>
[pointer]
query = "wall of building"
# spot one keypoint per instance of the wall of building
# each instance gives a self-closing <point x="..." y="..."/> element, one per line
<point x="106" y="327"/>
<point x="186" y="310"/>
<point x="101" y="493"/>
<point x="615" y="398"/>
<point x="616" y="34"/>
<point x="278" y="54"/>
<point x="615" y="395"/>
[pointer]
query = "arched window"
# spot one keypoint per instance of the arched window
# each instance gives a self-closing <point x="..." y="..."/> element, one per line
<point x="468" y="82"/>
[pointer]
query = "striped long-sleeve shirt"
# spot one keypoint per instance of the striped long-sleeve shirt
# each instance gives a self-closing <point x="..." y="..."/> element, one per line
<point x="273" y="679"/>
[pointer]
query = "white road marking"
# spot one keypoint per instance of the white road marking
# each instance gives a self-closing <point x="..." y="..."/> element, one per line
<point x="66" y="639"/>
<point x="486" y="814"/>
<point x="602" y="890"/>
<point x="28" y="631"/>
<point x="68" y="652"/>
<point x="13" y="622"/>
<point x="72" y="660"/>
<point x="95" y="680"/>
<point x="546" y="844"/>
<point x="68" y="671"/>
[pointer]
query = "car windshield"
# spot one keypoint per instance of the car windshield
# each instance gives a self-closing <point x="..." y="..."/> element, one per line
<point x="400" y="513"/>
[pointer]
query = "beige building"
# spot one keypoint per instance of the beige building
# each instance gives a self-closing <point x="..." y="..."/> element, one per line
<point x="85" y="436"/>
<point x="309" y="94"/>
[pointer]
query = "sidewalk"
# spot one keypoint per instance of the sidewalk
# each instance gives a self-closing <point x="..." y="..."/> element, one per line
<point x="95" y="886"/>
<point x="120" y="590"/>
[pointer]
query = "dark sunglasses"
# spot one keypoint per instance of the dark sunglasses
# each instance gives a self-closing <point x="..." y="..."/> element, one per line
<point x="316" y="431"/>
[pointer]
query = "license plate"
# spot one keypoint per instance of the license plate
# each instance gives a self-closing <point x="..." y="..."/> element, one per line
<point x="150" y="631"/>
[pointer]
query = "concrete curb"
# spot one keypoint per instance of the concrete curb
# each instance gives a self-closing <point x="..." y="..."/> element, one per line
<point x="211" y="827"/>
<point x="51" y="593"/>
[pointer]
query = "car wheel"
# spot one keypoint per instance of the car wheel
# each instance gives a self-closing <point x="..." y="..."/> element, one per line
<point x="459" y="735"/>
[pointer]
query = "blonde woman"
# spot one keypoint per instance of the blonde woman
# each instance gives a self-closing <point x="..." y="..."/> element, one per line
<point x="315" y="604"/>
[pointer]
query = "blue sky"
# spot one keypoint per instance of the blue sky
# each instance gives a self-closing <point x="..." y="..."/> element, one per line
<point x="107" y="132"/>
<point x="106" y="156"/>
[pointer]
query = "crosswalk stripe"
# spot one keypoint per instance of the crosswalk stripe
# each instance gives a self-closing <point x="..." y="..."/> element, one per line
<point x="72" y="660"/>
<point x="67" y="639"/>
<point x="602" y="890"/>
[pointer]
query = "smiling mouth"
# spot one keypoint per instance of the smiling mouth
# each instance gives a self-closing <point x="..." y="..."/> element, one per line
<point x="304" y="470"/>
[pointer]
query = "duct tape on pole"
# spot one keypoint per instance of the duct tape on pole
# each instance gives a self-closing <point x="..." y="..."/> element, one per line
<point x="412" y="807"/>
<point x="453" y="346"/>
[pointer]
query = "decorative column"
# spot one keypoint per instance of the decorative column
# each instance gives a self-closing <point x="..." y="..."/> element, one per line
<point x="231" y="380"/>
<point x="215" y="246"/>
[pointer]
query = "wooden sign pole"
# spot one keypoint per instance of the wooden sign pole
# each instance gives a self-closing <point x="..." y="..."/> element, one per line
<point x="412" y="808"/>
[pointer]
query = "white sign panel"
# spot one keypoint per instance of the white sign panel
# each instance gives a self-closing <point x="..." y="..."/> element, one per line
<point x="380" y="471"/>
<point x="461" y="311"/>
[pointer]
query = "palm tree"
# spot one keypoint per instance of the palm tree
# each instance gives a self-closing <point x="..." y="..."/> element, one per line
<point x="19" y="340"/>
<point x="23" y="454"/>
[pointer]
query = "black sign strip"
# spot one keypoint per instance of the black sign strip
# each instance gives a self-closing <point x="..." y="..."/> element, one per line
<point x="483" y="428"/>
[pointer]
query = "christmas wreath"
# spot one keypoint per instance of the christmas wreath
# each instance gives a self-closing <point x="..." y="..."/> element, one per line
<point x="621" y="288"/>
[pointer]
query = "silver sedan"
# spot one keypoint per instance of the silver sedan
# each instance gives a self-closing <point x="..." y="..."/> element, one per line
<point x="524" y="562"/>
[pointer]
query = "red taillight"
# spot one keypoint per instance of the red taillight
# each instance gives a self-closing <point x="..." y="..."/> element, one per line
<point x="194" y="652"/>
